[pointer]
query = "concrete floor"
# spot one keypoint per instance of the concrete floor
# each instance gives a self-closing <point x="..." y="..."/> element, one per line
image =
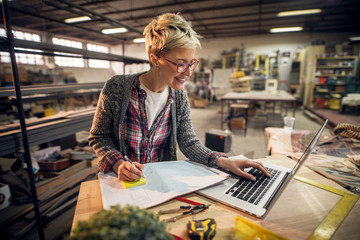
<point x="254" y="145"/>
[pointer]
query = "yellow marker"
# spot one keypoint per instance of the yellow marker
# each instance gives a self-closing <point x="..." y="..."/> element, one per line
<point x="137" y="182"/>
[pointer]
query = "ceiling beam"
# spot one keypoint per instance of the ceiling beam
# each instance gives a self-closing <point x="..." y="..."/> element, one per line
<point x="102" y="16"/>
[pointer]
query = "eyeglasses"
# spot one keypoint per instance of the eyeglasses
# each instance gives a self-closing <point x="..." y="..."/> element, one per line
<point x="183" y="67"/>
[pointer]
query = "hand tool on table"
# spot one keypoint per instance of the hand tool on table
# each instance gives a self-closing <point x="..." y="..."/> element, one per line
<point x="185" y="211"/>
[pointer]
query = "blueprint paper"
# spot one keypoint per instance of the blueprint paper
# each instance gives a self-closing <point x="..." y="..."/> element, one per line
<point x="164" y="181"/>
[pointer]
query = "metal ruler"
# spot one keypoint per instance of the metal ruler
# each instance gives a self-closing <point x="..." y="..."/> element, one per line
<point x="332" y="221"/>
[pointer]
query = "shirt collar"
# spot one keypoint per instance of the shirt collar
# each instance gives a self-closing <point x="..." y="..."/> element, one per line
<point x="170" y="99"/>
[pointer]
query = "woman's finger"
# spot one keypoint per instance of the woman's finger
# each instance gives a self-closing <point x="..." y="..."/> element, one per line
<point x="259" y="166"/>
<point x="139" y="166"/>
<point x="246" y="175"/>
<point x="128" y="172"/>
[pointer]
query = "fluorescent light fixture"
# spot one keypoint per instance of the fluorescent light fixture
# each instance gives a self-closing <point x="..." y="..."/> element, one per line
<point x="77" y="19"/>
<point x="139" y="40"/>
<point x="299" y="12"/>
<point x="286" y="29"/>
<point x="355" y="38"/>
<point x="114" y="30"/>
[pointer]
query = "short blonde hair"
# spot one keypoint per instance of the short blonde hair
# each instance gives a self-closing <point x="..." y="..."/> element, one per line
<point x="169" y="31"/>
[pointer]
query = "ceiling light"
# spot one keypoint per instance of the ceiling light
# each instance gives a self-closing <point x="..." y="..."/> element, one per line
<point x="77" y="19"/>
<point x="355" y="38"/>
<point x="299" y="12"/>
<point x="114" y="30"/>
<point x="286" y="29"/>
<point x="139" y="40"/>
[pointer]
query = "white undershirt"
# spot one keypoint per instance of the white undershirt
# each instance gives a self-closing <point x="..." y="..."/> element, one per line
<point x="154" y="103"/>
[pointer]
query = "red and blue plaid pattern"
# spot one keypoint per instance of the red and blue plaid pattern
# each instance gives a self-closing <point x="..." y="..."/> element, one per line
<point x="146" y="145"/>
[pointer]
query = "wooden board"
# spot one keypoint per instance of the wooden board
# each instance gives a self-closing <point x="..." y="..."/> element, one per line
<point x="74" y="168"/>
<point x="51" y="180"/>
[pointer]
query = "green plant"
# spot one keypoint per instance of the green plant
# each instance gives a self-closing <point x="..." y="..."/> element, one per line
<point x="119" y="223"/>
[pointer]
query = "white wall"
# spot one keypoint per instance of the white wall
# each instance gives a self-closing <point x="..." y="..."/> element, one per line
<point x="266" y="44"/>
<point x="263" y="44"/>
<point x="133" y="50"/>
<point x="89" y="75"/>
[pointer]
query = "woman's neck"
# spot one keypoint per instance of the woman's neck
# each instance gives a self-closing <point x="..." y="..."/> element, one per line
<point x="152" y="81"/>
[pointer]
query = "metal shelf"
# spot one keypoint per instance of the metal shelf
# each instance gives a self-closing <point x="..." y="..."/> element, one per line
<point x="333" y="66"/>
<point x="50" y="49"/>
<point x="45" y="131"/>
<point x="36" y="89"/>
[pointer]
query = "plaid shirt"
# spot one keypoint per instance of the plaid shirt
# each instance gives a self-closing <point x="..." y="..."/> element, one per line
<point x="146" y="145"/>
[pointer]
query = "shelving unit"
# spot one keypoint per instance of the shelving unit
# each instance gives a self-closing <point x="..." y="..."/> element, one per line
<point x="25" y="134"/>
<point x="45" y="130"/>
<point x="332" y="77"/>
<point x="231" y="60"/>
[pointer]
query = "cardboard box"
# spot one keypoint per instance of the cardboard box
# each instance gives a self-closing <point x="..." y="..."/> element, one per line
<point x="55" y="165"/>
<point x="6" y="163"/>
<point x="237" y="123"/>
<point x="200" y="103"/>
<point x="5" y="196"/>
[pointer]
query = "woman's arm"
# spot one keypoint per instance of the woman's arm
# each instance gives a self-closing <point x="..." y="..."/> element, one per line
<point x="102" y="138"/>
<point x="189" y="145"/>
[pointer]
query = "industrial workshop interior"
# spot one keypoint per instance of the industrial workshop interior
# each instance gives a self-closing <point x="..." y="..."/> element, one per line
<point x="272" y="95"/>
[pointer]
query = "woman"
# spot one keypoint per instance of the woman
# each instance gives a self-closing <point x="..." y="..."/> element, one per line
<point x="143" y="116"/>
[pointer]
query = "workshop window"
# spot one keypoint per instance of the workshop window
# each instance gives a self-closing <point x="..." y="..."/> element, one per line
<point x="74" y="61"/>
<point x="95" y="63"/>
<point x="64" y="61"/>
<point x="23" y="57"/>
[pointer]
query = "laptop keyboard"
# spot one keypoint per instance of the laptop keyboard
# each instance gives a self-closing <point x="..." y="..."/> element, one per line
<point x="251" y="191"/>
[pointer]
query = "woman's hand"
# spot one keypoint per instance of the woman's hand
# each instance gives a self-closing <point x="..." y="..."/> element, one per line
<point x="128" y="172"/>
<point x="237" y="166"/>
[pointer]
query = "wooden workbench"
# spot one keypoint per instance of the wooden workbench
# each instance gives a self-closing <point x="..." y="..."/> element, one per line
<point x="257" y="96"/>
<point x="298" y="211"/>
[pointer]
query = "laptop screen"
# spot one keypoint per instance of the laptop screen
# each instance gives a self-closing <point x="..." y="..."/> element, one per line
<point x="309" y="148"/>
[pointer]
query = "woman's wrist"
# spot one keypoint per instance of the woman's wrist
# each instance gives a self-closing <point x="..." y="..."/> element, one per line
<point x="221" y="162"/>
<point x="116" y="166"/>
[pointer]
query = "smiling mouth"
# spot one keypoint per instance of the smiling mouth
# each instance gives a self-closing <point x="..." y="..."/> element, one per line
<point x="182" y="80"/>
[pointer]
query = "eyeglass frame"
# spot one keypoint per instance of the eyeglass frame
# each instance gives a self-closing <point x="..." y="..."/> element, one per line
<point x="188" y="65"/>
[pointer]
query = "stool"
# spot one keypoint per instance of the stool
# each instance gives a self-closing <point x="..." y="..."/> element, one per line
<point x="244" y="106"/>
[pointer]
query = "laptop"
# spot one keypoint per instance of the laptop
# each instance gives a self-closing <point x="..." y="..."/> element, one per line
<point x="257" y="198"/>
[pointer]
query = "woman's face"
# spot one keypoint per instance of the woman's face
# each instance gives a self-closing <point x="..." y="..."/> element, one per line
<point x="168" y="71"/>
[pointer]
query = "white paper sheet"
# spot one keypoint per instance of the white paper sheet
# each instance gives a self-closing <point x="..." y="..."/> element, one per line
<point x="164" y="181"/>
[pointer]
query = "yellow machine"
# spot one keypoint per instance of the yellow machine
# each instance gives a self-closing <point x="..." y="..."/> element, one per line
<point x="262" y="63"/>
<point x="334" y="101"/>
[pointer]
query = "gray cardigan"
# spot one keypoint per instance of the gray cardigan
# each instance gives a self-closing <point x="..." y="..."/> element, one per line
<point x="106" y="135"/>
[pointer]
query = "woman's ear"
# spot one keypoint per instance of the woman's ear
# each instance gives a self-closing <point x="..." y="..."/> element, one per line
<point x="154" y="60"/>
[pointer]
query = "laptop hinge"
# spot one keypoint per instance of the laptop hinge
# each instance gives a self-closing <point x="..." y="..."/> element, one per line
<point x="277" y="190"/>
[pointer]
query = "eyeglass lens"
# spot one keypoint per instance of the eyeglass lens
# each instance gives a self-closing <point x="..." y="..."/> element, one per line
<point x="182" y="67"/>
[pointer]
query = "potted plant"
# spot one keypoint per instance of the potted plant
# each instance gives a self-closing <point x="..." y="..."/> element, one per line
<point x="129" y="222"/>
